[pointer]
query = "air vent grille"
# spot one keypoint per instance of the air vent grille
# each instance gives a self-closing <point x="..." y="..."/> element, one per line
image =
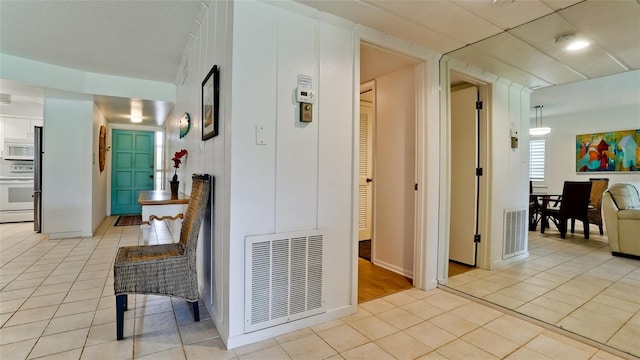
<point x="285" y="281"/>
<point x="515" y="227"/>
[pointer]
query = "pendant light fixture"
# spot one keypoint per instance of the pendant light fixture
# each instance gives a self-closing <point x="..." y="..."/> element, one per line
<point x="539" y="129"/>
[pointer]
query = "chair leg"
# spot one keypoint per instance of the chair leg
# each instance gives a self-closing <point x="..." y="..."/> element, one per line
<point x="600" y="227"/>
<point x="573" y="225"/>
<point x="121" y="306"/>
<point x="585" y="225"/>
<point x="563" y="228"/>
<point x="196" y="311"/>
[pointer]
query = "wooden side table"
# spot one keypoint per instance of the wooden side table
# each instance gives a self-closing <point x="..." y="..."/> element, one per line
<point x="161" y="205"/>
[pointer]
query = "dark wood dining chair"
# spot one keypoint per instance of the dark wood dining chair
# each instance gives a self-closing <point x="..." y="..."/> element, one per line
<point x="535" y="208"/>
<point x="573" y="205"/>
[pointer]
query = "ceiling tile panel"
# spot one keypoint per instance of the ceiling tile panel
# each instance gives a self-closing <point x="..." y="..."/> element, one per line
<point x="614" y="26"/>
<point x="441" y="17"/>
<point x="378" y="19"/>
<point x="541" y="34"/>
<point x="471" y="55"/>
<point x="510" y="50"/>
<point x="560" y="4"/>
<point x="506" y="14"/>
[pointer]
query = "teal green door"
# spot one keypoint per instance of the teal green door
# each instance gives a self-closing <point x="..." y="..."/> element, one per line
<point x="131" y="170"/>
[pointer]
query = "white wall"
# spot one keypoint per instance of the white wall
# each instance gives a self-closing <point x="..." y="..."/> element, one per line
<point x="67" y="168"/>
<point x="506" y="169"/>
<point x="99" y="179"/>
<point x="302" y="178"/>
<point x="209" y="47"/>
<point x="600" y="105"/>
<point x="394" y="171"/>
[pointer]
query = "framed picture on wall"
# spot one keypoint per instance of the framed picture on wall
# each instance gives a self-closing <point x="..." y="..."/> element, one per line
<point x="613" y="151"/>
<point x="210" y="102"/>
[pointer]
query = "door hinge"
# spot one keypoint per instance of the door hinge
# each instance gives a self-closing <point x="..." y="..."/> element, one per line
<point x="415" y="187"/>
<point x="476" y="238"/>
<point x="478" y="105"/>
<point x="478" y="171"/>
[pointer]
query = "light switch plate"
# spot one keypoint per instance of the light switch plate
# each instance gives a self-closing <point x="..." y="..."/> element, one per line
<point x="260" y="140"/>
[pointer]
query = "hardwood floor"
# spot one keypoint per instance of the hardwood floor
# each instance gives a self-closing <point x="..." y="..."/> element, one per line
<point x="375" y="282"/>
<point x="458" y="268"/>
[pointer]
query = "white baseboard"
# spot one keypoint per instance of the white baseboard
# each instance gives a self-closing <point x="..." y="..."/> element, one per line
<point x="394" y="268"/>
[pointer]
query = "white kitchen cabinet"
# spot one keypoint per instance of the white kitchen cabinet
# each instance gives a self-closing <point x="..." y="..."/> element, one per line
<point x="16" y="128"/>
<point x="19" y="128"/>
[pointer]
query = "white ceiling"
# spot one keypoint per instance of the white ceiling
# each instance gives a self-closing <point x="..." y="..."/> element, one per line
<point x="147" y="39"/>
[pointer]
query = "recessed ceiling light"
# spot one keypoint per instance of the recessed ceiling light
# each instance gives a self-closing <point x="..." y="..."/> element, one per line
<point x="500" y="3"/>
<point x="571" y="42"/>
<point x="577" y="45"/>
<point x="136" y="119"/>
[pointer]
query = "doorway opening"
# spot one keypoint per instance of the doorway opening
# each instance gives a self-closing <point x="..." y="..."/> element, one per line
<point x="468" y="120"/>
<point x="387" y="163"/>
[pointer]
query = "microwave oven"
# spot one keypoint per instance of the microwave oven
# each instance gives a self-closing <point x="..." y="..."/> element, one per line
<point x="18" y="149"/>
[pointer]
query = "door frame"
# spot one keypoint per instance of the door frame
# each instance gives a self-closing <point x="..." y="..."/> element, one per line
<point x="109" y="143"/>
<point x="428" y="221"/>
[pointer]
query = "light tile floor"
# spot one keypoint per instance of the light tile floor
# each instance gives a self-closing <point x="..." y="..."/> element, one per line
<point x="572" y="283"/>
<point x="57" y="302"/>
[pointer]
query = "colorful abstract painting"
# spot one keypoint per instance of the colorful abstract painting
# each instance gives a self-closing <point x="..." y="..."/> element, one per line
<point x="611" y="151"/>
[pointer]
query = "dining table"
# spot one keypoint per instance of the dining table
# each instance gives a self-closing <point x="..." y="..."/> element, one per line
<point x="541" y="201"/>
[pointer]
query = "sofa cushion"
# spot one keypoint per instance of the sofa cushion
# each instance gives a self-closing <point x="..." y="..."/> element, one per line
<point x="629" y="214"/>
<point x="626" y="196"/>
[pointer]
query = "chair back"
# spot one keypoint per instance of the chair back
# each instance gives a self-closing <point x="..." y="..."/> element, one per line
<point x="575" y="199"/>
<point x="198" y="200"/>
<point x="598" y="186"/>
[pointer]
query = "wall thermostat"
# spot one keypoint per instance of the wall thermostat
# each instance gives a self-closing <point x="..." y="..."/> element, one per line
<point x="305" y="95"/>
<point x="514" y="138"/>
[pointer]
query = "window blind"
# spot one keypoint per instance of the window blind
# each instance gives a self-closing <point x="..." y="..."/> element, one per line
<point x="537" y="149"/>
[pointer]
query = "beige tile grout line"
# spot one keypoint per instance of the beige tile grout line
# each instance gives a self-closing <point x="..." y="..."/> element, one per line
<point x="540" y="323"/>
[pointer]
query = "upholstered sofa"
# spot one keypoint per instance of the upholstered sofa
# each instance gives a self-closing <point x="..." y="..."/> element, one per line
<point x="621" y="211"/>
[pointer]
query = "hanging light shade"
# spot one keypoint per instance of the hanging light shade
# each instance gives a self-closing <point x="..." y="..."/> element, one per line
<point x="539" y="129"/>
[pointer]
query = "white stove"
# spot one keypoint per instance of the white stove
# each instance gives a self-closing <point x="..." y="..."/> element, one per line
<point x="16" y="194"/>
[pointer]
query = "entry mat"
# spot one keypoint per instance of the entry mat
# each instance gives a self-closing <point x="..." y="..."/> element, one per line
<point x="128" y="220"/>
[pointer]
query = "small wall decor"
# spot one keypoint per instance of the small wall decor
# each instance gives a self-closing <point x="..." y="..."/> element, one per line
<point x="184" y="124"/>
<point x="102" y="147"/>
<point x="610" y="151"/>
<point x="210" y="102"/>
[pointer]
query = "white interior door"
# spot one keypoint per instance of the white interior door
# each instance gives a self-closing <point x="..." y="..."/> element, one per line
<point x="463" y="176"/>
<point x="365" y="171"/>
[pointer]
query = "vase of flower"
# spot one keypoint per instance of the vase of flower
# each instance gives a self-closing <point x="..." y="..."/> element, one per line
<point x="174" y="187"/>
<point x="174" y="183"/>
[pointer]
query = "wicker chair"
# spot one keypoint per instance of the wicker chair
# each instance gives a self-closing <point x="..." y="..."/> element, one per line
<point x="598" y="186"/>
<point x="167" y="269"/>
